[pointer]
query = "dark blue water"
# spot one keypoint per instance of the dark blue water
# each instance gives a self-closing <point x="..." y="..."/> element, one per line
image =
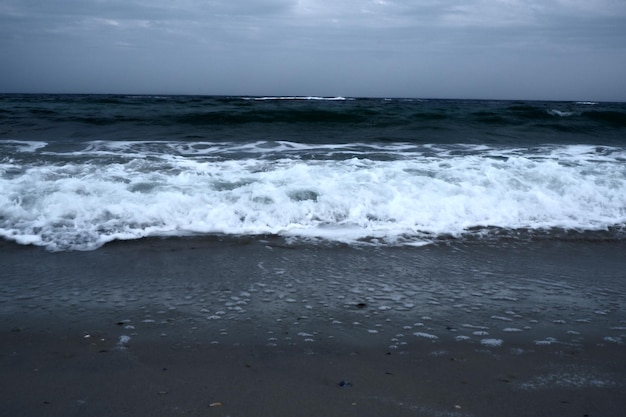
<point x="77" y="118"/>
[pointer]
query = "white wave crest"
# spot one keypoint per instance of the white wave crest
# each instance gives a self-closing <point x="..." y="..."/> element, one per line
<point x="409" y="199"/>
<point x="316" y="98"/>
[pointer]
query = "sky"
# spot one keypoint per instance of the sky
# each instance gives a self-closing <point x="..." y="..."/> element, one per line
<point x="483" y="49"/>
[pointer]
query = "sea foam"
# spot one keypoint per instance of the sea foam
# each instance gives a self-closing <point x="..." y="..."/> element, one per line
<point x="396" y="194"/>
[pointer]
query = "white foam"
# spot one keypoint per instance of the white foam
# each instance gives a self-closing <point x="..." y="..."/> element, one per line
<point x="471" y="326"/>
<point x="560" y="113"/>
<point x="24" y="146"/>
<point x="123" y="340"/>
<point x="501" y="318"/>
<point x="316" y="98"/>
<point x="546" y="341"/>
<point x="574" y="376"/>
<point x="491" y="342"/>
<point x="408" y="197"/>
<point x="425" y="335"/>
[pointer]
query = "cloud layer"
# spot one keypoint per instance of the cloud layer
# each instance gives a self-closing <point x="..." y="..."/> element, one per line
<point x="552" y="49"/>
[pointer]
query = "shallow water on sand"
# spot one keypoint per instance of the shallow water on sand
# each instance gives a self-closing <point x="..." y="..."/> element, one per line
<point x="270" y="293"/>
<point x="262" y="327"/>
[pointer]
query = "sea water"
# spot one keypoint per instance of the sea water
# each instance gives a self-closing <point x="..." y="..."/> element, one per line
<point x="78" y="171"/>
<point x="292" y="221"/>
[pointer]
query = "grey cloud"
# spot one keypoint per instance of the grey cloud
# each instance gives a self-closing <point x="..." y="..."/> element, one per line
<point x="348" y="47"/>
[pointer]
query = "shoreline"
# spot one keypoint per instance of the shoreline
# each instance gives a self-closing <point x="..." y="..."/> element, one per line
<point x="170" y="327"/>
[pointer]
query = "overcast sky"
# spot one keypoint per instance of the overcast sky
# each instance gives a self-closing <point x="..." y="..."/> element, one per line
<point x="511" y="49"/>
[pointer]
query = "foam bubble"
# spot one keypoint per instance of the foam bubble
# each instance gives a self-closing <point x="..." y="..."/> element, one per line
<point x="123" y="340"/>
<point x="491" y="342"/>
<point x="425" y="335"/>
<point x="571" y="377"/>
<point x="546" y="341"/>
<point x="511" y="330"/>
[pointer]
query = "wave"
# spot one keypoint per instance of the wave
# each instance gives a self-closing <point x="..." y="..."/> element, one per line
<point x="295" y="116"/>
<point x="616" y="118"/>
<point x="560" y="113"/>
<point x="10" y="146"/>
<point x="383" y="194"/>
<point x="146" y="116"/>
<point x="314" y="98"/>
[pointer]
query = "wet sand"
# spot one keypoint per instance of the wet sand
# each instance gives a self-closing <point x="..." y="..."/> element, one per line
<point x="258" y="328"/>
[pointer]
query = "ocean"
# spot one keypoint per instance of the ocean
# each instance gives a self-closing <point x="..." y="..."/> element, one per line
<point x="311" y="256"/>
<point x="79" y="171"/>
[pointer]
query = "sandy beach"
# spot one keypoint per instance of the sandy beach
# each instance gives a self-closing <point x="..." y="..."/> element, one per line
<point x="205" y="327"/>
